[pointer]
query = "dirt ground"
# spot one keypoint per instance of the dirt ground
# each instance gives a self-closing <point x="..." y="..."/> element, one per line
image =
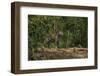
<point x="58" y="53"/>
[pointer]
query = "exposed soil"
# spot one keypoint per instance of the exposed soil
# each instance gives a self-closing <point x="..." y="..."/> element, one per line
<point x="58" y="53"/>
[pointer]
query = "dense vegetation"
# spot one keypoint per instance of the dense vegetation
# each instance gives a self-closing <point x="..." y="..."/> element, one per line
<point x="57" y="32"/>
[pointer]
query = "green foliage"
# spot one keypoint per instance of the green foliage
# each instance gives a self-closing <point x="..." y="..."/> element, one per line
<point x="57" y="31"/>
